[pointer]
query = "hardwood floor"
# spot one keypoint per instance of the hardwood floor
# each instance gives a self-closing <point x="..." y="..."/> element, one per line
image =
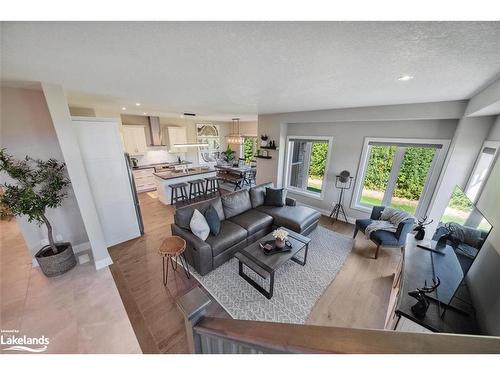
<point x="358" y="297"/>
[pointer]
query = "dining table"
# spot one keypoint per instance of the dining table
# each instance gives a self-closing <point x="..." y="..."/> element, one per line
<point x="238" y="173"/>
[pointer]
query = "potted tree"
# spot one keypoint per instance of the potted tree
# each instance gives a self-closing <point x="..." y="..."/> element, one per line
<point x="38" y="185"/>
<point x="228" y="154"/>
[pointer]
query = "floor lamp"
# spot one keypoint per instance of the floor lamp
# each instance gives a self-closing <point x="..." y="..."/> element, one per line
<point x="343" y="182"/>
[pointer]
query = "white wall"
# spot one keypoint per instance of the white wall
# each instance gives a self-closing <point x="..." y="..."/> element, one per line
<point x="464" y="149"/>
<point x="275" y="124"/>
<point x="70" y="148"/>
<point x="348" y="139"/>
<point x="27" y="129"/>
<point x="484" y="275"/>
<point x="349" y="127"/>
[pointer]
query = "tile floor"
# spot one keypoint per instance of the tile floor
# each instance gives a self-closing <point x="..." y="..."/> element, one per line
<point x="80" y="311"/>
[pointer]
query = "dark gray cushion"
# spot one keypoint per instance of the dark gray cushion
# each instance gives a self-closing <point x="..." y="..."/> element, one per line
<point x="363" y="223"/>
<point x="274" y="197"/>
<point x="213" y="220"/>
<point x="296" y="218"/>
<point x="258" y="194"/>
<point x="229" y="235"/>
<point x="236" y="203"/>
<point x="385" y="238"/>
<point x="182" y="216"/>
<point x="253" y="221"/>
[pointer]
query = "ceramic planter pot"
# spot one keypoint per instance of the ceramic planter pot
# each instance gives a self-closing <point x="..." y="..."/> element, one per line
<point x="280" y="244"/>
<point x="56" y="264"/>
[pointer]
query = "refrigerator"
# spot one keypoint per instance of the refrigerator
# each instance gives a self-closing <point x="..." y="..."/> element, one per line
<point x="131" y="180"/>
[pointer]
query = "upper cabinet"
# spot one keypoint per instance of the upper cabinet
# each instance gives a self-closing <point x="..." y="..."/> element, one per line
<point x="177" y="135"/>
<point x="134" y="139"/>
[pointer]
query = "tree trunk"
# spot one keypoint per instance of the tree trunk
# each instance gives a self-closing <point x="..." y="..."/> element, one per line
<point x="49" y="231"/>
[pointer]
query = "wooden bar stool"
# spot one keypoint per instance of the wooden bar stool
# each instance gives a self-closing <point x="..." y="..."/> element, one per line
<point x="176" y="189"/>
<point x="171" y="250"/>
<point x="212" y="185"/>
<point x="196" y="189"/>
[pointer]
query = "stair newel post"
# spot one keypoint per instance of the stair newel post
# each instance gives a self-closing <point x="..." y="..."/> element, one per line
<point x="193" y="307"/>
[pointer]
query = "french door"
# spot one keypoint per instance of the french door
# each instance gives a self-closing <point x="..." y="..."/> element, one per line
<point x="399" y="175"/>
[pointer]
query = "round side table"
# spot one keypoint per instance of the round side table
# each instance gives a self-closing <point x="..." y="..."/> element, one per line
<point x="171" y="250"/>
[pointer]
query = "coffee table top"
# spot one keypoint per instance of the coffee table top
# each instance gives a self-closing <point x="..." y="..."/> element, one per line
<point x="253" y="256"/>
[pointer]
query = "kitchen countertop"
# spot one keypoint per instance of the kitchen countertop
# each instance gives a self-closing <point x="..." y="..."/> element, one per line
<point x="192" y="171"/>
<point x="151" y="166"/>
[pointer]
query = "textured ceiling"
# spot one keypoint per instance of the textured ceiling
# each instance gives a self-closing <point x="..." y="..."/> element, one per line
<point x="245" y="68"/>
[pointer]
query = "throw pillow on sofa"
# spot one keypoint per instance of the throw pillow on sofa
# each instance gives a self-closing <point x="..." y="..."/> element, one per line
<point x="199" y="225"/>
<point x="213" y="220"/>
<point x="274" y="197"/>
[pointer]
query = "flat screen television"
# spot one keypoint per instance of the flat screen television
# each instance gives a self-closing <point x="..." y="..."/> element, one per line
<point x="460" y="235"/>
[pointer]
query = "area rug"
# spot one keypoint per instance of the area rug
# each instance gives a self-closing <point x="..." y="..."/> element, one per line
<point x="296" y="289"/>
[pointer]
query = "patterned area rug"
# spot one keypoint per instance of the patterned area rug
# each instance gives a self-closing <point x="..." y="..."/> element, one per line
<point x="296" y="289"/>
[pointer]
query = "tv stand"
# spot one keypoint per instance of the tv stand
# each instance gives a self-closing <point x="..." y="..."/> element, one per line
<point x="418" y="266"/>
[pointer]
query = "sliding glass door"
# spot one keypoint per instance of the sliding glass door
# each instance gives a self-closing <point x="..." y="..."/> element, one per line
<point x="397" y="174"/>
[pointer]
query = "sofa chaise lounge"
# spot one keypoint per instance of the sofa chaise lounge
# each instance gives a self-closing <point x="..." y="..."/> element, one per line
<point x="244" y="219"/>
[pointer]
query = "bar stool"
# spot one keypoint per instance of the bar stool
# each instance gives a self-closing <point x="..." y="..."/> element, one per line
<point x="212" y="185"/>
<point x="176" y="189"/>
<point x="196" y="189"/>
<point x="172" y="250"/>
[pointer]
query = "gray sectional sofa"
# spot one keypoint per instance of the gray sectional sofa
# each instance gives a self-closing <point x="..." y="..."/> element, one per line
<point x="244" y="219"/>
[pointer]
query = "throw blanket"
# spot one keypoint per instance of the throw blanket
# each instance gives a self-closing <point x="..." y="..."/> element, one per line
<point x="390" y="219"/>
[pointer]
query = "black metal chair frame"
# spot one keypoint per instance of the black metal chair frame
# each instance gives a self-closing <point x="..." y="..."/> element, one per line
<point x="174" y="196"/>
<point x="196" y="190"/>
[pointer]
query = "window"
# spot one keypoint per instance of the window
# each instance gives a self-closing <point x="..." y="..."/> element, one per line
<point x="398" y="174"/>
<point x="481" y="170"/>
<point x="307" y="164"/>
<point x="209" y="134"/>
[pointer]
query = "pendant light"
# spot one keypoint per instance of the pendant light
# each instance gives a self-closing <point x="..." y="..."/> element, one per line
<point x="235" y="138"/>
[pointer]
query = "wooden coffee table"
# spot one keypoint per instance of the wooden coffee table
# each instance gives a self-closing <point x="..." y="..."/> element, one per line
<point x="265" y="266"/>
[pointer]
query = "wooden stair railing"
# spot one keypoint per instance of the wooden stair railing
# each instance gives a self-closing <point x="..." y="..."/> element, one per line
<point x="217" y="336"/>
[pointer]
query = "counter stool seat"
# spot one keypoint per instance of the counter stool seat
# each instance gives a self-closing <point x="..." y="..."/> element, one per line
<point x="212" y="185"/>
<point x="178" y="193"/>
<point x="196" y="189"/>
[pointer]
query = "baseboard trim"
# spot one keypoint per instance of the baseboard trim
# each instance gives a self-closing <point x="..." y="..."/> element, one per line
<point x="350" y="220"/>
<point x="102" y="263"/>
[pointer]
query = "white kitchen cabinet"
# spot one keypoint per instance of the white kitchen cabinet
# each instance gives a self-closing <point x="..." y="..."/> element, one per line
<point x="144" y="179"/>
<point x="134" y="139"/>
<point x="177" y="135"/>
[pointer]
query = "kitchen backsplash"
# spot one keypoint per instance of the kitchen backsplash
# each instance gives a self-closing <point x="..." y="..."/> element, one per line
<point x="158" y="156"/>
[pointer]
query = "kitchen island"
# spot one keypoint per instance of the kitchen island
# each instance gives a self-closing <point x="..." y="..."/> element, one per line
<point x="165" y="179"/>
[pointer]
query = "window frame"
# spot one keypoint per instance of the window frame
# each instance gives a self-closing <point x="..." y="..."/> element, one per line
<point x="293" y="189"/>
<point x="486" y="144"/>
<point x="431" y="180"/>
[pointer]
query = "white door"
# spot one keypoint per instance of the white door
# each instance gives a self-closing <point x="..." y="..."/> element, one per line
<point x="104" y="160"/>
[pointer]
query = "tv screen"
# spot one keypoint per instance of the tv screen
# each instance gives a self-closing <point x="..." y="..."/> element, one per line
<point x="460" y="234"/>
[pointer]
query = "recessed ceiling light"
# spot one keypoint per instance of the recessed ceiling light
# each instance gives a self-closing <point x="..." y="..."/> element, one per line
<point x="124" y="108"/>
<point x="144" y="113"/>
<point x="137" y="104"/>
<point x="405" y="77"/>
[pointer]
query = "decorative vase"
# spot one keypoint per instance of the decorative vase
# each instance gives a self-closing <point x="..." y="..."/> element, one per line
<point x="280" y="244"/>
<point x="420" y="234"/>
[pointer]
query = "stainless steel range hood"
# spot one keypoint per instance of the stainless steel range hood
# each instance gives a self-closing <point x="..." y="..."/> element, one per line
<point x="155" y="131"/>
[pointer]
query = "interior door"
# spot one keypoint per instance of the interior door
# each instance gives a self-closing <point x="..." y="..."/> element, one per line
<point x="107" y="172"/>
